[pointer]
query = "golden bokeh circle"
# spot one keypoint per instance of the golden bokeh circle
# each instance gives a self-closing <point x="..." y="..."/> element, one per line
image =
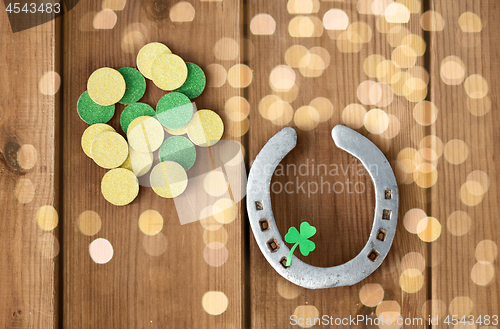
<point x="476" y="86"/>
<point x="456" y="151"/>
<point x="239" y="76"/>
<point x="225" y="211"/>
<point x="411" y="280"/>
<point x="413" y="260"/>
<point x="412" y="218"/>
<point x="214" y="302"/>
<point x="288" y="290"/>
<point x="429" y="229"/>
<point x="482" y="273"/>
<point x="371" y="294"/>
<point x="306" y="118"/>
<point x="47" y="217"/>
<point x="487" y="251"/>
<point x="89" y="223"/>
<point x="479" y="106"/>
<point x="150" y="222"/>
<point x="376" y="121"/>
<point x="459" y="223"/>
<point x="305" y="315"/>
<point x="24" y="191"/>
<point x="471" y="198"/>
<point x="425" y="113"/>
<point x="353" y="115"/>
<point x="461" y="306"/>
<point x="470" y="22"/>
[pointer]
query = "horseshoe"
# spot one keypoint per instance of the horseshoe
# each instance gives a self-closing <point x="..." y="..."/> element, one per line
<point x="266" y="232"/>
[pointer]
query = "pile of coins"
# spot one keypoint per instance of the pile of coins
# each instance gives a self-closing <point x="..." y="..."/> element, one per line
<point x="144" y="127"/>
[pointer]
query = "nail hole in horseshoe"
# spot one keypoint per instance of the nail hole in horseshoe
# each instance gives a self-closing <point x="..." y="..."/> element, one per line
<point x="381" y="234"/>
<point x="373" y="255"/>
<point x="264" y="224"/>
<point x="283" y="262"/>
<point x="273" y="245"/>
<point x="388" y="194"/>
<point x="259" y="205"/>
<point x="386" y="214"/>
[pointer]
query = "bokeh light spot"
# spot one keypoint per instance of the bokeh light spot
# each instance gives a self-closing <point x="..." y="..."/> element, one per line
<point x="371" y="294"/>
<point x="239" y="76"/>
<point x="486" y="251"/>
<point x="305" y="315"/>
<point x="47" y="218"/>
<point x="376" y="121"/>
<point x="105" y="20"/>
<point x="353" y="116"/>
<point x="470" y="22"/>
<point x="456" y="151"/>
<point x="182" y="12"/>
<point x="476" y="86"/>
<point x="461" y="306"/>
<point x="101" y="251"/>
<point x="459" y="223"/>
<point x="482" y="273"/>
<point x="429" y="229"/>
<point x="411" y="280"/>
<point x="226" y="49"/>
<point x="89" y="223"/>
<point x="49" y="83"/>
<point x="262" y="24"/>
<point x="432" y="21"/>
<point x="216" y="75"/>
<point x="335" y="19"/>
<point x="150" y="222"/>
<point x="24" y="190"/>
<point x="412" y="218"/>
<point x="214" y="302"/>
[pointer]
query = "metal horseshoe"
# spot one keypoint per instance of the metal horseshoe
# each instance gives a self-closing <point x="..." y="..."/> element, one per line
<point x="266" y="232"/>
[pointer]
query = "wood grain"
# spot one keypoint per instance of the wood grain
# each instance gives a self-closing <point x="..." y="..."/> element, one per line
<point x="136" y="289"/>
<point x="452" y="276"/>
<point x="343" y="219"/>
<point x="28" y="268"/>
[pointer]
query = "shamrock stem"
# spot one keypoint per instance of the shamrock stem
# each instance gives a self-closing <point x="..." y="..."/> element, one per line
<point x="289" y="258"/>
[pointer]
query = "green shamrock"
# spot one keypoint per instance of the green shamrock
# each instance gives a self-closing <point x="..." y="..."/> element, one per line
<point x="300" y="239"/>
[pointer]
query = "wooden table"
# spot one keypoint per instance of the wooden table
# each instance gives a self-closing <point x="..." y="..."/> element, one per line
<point x="442" y="265"/>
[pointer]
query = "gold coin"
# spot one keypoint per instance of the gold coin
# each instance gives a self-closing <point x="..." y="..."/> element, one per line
<point x="168" y="179"/>
<point x="137" y="162"/>
<point x="119" y="186"/>
<point x="145" y="134"/>
<point x="169" y="72"/>
<point x="109" y="150"/>
<point x="206" y="128"/>
<point x="176" y="132"/>
<point x="147" y="55"/>
<point x="90" y="133"/>
<point x="106" y="86"/>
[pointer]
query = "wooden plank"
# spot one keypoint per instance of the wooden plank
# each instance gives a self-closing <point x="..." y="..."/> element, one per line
<point x="136" y="289"/>
<point x="343" y="218"/>
<point x="29" y="113"/>
<point x="463" y="281"/>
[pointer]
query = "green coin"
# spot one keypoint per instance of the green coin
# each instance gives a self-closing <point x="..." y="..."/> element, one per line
<point x="178" y="149"/>
<point x="195" y="82"/>
<point x="133" y="111"/>
<point x="174" y="110"/>
<point x="93" y="113"/>
<point x="135" y="85"/>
